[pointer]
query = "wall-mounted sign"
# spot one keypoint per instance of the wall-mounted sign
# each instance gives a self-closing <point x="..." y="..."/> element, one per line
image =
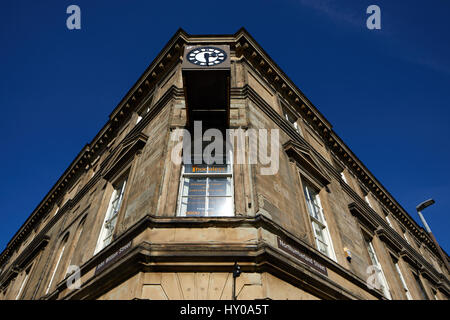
<point x="113" y="258"/>
<point x="302" y="256"/>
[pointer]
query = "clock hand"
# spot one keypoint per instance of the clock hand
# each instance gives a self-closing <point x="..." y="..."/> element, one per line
<point x="207" y="58"/>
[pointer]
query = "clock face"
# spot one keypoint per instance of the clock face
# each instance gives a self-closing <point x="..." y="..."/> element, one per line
<point x="206" y="56"/>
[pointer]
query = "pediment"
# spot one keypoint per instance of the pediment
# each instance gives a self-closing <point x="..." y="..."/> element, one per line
<point x="123" y="152"/>
<point x="302" y="155"/>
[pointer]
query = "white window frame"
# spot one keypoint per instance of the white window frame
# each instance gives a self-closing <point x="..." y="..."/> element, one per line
<point x="57" y="265"/>
<point x="207" y="175"/>
<point x="389" y="221"/>
<point x="402" y="280"/>
<point x="24" y="282"/>
<point x="142" y="113"/>
<point x="420" y="287"/>
<point x="380" y="274"/>
<point x="434" y="294"/>
<point x="310" y="195"/>
<point x="405" y="234"/>
<point x="294" y="123"/>
<point x="140" y="116"/>
<point x="104" y="239"/>
<point x="366" y="198"/>
<point x="343" y="177"/>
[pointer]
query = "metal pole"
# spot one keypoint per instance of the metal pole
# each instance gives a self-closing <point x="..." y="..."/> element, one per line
<point x="424" y="222"/>
<point x="234" y="289"/>
<point x="442" y="254"/>
<point x="438" y="247"/>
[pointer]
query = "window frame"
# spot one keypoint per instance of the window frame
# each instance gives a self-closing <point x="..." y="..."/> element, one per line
<point x="386" y="216"/>
<point x="74" y="245"/>
<point x="145" y="107"/>
<point x="405" y="288"/>
<point x="288" y="116"/>
<point x="24" y="281"/>
<point x="121" y="183"/>
<point x="375" y="261"/>
<point x="420" y="287"/>
<point x="321" y="222"/>
<point x="62" y="248"/>
<point x="207" y="175"/>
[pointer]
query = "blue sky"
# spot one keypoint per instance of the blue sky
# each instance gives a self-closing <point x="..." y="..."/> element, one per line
<point x="386" y="92"/>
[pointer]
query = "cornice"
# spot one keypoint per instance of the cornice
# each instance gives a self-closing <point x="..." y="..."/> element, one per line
<point x="226" y="251"/>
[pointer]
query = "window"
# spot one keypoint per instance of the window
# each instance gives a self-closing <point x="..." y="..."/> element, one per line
<point x="319" y="225"/>
<point x="24" y="282"/>
<point x="405" y="234"/>
<point x="402" y="280"/>
<point x="59" y="256"/>
<point x="206" y="181"/>
<point x="206" y="190"/>
<point x="433" y="260"/>
<point x="142" y="113"/>
<point x="74" y="244"/>
<point x="365" y="193"/>
<point x="435" y="296"/>
<point x="420" y="287"/>
<point x="380" y="274"/>
<point x="343" y="177"/>
<point x="386" y="216"/>
<point x="144" y="110"/>
<point x="109" y="224"/>
<point x="366" y="197"/>
<point x="289" y="116"/>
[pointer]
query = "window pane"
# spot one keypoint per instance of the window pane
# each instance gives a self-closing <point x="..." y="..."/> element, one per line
<point x="316" y="212"/>
<point x="194" y="187"/>
<point x="318" y="230"/>
<point x="220" y="206"/>
<point x="193" y="206"/>
<point x="322" y="247"/>
<point x="313" y="204"/>
<point x="219" y="187"/>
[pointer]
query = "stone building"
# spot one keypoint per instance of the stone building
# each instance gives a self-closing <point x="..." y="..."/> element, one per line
<point x="139" y="225"/>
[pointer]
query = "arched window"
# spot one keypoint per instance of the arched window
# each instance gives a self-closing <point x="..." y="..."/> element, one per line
<point x="24" y="282"/>
<point x="71" y="251"/>
<point x="58" y="261"/>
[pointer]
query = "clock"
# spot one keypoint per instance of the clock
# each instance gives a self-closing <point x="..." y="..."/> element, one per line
<point x="206" y="56"/>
